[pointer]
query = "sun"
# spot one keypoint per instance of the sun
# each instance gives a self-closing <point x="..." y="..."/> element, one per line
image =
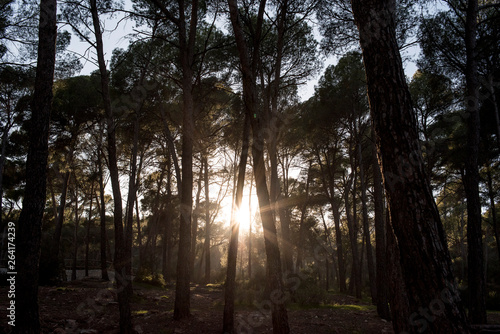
<point x="246" y="213"/>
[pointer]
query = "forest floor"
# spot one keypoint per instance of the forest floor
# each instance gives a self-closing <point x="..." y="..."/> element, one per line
<point x="89" y="306"/>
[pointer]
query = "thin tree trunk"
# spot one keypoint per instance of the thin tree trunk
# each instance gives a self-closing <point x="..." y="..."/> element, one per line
<point x="102" y="212"/>
<point x="139" y="232"/>
<point x="366" y="229"/>
<point x="250" y="97"/>
<point x="54" y="260"/>
<point x="167" y="269"/>
<point x="491" y="195"/>
<point x="302" y="227"/>
<point x="355" y="282"/>
<point x="207" y="224"/>
<point x="123" y="282"/>
<point x="29" y="229"/>
<point x="132" y="194"/>
<point x="232" y="255"/>
<point x="424" y="257"/>
<point x="476" y="278"/>
<point x="194" y="226"/>
<point x="87" y="235"/>
<point x="75" y="235"/>
<point x="250" y="219"/>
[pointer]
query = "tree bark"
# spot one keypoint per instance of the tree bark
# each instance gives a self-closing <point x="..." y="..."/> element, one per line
<point x="87" y="234"/>
<point x="380" y="239"/>
<point x="476" y="278"/>
<point x="207" y="224"/>
<point x="186" y="55"/>
<point x="29" y="229"/>
<point x="232" y="255"/>
<point x="366" y="229"/>
<point x="491" y="195"/>
<point x="424" y="257"/>
<point x="250" y="98"/>
<point x="123" y="282"/>
<point x="75" y="234"/>
<point x="355" y="281"/>
<point x="194" y="221"/>
<point x="102" y="212"/>
<point x="131" y="196"/>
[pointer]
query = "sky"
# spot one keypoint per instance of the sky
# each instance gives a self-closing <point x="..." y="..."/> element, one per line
<point x="117" y="38"/>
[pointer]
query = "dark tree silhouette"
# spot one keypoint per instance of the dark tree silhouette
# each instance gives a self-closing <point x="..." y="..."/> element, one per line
<point x="30" y="222"/>
<point x="424" y="257"/>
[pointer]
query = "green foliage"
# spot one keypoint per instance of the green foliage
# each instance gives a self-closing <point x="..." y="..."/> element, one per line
<point x="145" y="276"/>
<point x="310" y="293"/>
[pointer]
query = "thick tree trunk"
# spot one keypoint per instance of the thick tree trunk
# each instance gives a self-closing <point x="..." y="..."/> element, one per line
<point x="424" y="257"/>
<point x="186" y="54"/>
<point x="275" y="284"/>
<point x="380" y="239"/>
<point x="476" y="278"/>
<point x="29" y="229"/>
<point x="400" y="308"/>
<point x="123" y="282"/>
<point x="232" y="255"/>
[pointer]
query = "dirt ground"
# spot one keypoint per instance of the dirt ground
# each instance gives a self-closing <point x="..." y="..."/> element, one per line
<point x="89" y="306"/>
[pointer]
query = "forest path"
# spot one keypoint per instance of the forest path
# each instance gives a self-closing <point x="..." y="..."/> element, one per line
<point x="89" y="306"/>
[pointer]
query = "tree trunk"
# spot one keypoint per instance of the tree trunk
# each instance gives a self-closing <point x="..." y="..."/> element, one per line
<point x="186" y="54"/>
<point x="132" y="194"/>
<point x="366" y="229"/>
<point x="250" y="219"/>
<point x="250" y="97"/>
<point x="102" y="213"/>
<point x="302" y="226"/>
<point x="476" y="278"/>
<point x="87" y="235"/>
<point x="424" y="257"/>
<point x="355" y="281"/>
<point x="400" y="308"/>
<point x="29" y="229"/>
<point x="123" y="282"/>
<point x="167" y="237"/>
<point x="232" y="255"/>
<point x="139" y="230"/>
<point x="54" y="262"/>
<point x="491" y="195"/>
<point x="75" y="235"/>
<point x="194" y="222"/>
<point x="207" y="224"/>
<point x="380" y="239"/>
